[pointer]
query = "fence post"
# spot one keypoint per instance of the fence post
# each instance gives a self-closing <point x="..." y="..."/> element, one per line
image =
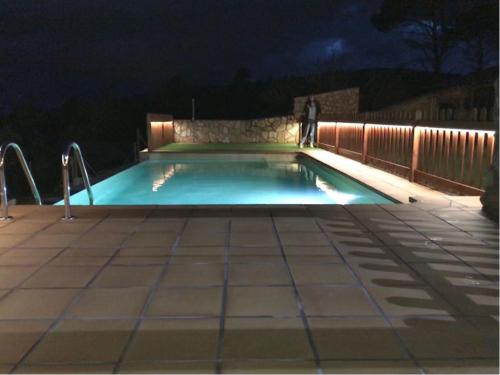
<point x="415" y="152"/>
<point x="337" y="137"/>
<point x="366" y="135"/>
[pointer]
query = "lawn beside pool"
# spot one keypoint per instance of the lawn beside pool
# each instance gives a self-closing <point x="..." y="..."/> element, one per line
<point x="229" y="147"/>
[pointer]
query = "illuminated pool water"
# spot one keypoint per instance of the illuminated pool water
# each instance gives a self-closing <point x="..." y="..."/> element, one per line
<point x="225" y="179"/>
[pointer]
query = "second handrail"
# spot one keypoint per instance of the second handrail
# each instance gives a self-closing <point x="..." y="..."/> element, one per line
<point x="66" y="183"/>
<point x="3" y="184"/>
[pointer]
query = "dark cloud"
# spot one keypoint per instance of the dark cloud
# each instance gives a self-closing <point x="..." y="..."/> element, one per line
<point x="55" y="48"/>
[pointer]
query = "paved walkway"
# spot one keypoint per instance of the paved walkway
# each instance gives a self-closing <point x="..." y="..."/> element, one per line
<point x="396" y="288"/>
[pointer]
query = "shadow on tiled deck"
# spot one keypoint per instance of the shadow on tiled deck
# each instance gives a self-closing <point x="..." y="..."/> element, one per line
<point x="249" y="289"/>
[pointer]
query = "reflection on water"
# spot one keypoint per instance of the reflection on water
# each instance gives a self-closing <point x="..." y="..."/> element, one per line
<point x="168" y="172"/>
<point x="248" y="181"/>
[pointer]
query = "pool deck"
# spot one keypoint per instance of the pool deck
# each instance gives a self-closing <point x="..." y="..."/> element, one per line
<point x="402" y="288"/>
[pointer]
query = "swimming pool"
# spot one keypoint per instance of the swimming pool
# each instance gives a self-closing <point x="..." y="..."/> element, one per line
<point x="230" y="179"/>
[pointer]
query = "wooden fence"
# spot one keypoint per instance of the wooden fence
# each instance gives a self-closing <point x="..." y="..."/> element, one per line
<point x="450" y="159"/>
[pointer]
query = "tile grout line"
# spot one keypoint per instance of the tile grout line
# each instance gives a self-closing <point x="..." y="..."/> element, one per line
<point x="149" y="298"/>
<point x="222" y="326"/>
<point x="373" y="302"/>
<point x="298" y="301"/>
<point x="75" y="298"/>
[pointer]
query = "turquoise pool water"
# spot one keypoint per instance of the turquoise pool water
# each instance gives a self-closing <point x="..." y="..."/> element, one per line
<point x="206" y="179"/>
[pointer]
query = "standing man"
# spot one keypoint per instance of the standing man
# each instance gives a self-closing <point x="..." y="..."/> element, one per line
<point x="311" y="111"/>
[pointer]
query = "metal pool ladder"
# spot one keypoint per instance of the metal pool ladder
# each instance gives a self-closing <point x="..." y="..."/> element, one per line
<point x="3" y="184"/>
<point x="65" y="172"/>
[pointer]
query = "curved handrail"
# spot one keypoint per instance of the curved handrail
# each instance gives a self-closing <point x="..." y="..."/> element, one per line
<point x="65" y="171"/>
<point x="3" y="185"/>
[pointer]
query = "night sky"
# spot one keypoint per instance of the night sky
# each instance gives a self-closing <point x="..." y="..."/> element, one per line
<point x="52" y="49"/>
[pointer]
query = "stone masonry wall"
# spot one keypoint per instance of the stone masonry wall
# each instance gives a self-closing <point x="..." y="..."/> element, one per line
<point x="333" y="102"/>
<point x="267" y="130"/>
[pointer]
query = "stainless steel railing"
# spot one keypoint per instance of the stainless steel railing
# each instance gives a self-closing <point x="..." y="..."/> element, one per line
<point x="3" y="184"/>
<point x="66" y="183"/>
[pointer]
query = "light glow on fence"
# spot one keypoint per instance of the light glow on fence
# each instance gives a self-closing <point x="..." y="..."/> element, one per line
<point x="488" y="132"/>
<point x="350" y="124"/>
<point x="389" y="126"/>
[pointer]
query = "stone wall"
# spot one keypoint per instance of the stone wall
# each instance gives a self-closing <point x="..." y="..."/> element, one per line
<point x="332" y="103"/>
<point x="267" y="130"/>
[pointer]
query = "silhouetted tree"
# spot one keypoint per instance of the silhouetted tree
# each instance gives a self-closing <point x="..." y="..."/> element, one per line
<point x="477" y="28"/>
<point x="426" y="26"/>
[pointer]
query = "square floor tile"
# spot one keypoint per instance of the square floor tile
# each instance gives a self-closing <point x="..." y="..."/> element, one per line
<point x="209" y="274"/>
<point x="45" y="252"/>
<point x="110" y="303"/>
<point x="321" y="274"/>
<point x="303" y="239"/>
<point x="447" y="274"/>
<point x="314" y="259"/>
<point x="252" y="239"/>
<point x="144" y="251"/>
<point x="204" y="238"/>
<point x="399" y="238"/>
<point x="153" y="239"/>
<point x="35" y="303"/>
<point x="351" y="338"/>
<point x="139" y="261"/>
<point x="385" y="273"/>
<point x="127" y="276"/>
<point x="79" y="261"/>
<point x="65" y="369"/>
<point x="70" y="227"/>
<point x="48" y="240"/>
<point x="420" y="255"/>
<point x="296" y="225"/>
<point x="168" y="367"/>
<point x="258" y="274"/>
<point x="11" y="240"/>
<point x="100" y="240"/>
<point x="207" y="224"/>
<point x="310" y="251"/>
<point x="161" y="225"/>
<point x="89" y="252"/>
<point x="17" y="337"/>
<point x="334" y="301"/>
<point x="22" y="227"/>
<point x="196" y="259"/>
<point x="175" y="339"/>
<point x="460" y="366"/>
<point x="200" y="251"/>
<point x="77" y="341"/>
<point x="7" y="260"/>
<point x="261" y="301"/>
<point x="10" y="277"/>
<point x="186" y="302"/>
<point x="416" y="300"/>
<point x="265" y="338"/>
<point x="269" y="367"/>
<point x="255" y="250"/>
<point x="117" y="226"/>
<point x="444" y="338"/>
<point x="61" y="277"/>
<point x="278" y="259"/>
<point x="369" y="367"/>
<point x="247" y="225"/>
